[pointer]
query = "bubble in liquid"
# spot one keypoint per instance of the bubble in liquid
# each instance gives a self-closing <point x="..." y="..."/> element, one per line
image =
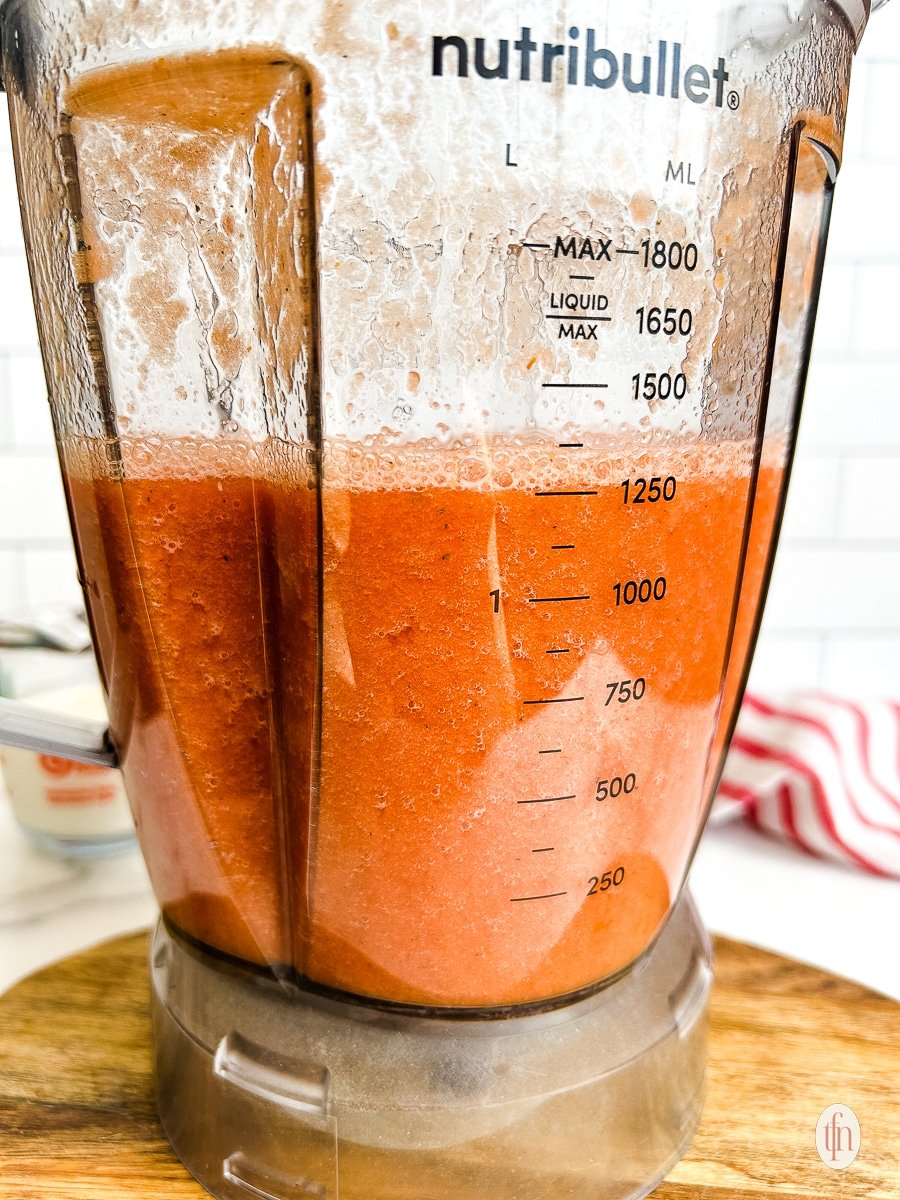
<point x="472" y="470"/>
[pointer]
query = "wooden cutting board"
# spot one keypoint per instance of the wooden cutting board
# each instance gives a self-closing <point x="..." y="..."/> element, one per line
<point x="77" y="1117"/>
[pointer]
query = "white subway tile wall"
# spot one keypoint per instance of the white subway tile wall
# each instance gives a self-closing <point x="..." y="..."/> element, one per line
<point x="833" y="618"/>
<point x="36" y="560"/>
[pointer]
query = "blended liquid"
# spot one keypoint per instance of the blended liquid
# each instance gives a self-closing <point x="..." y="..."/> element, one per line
<point x="475" y="779"/>
<point x="191" y="626"/>
<point x="767" y="499"/>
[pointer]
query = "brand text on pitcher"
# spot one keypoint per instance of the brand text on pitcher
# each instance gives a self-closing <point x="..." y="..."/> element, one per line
<point x="582" y="62"/>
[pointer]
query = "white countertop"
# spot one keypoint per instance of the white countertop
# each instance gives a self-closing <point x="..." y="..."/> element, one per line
<point x="50" y="908"/>
<point x="746" y="885"/>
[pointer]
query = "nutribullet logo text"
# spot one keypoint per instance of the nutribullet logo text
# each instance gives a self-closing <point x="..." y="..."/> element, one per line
<point x="582" y="62"/>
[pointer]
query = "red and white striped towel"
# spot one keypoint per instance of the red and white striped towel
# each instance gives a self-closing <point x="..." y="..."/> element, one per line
<point x="821" y="772"/>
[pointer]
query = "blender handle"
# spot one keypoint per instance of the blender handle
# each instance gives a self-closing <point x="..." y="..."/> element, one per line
<point x="77" y="738"/>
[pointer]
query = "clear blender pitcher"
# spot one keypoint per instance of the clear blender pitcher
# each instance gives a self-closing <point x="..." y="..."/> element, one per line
<point x="425" y="383"/>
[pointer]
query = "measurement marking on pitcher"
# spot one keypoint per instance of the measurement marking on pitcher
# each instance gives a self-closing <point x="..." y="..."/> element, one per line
<point x="589" y="278"/>
<point x="545" y="896"/>
<point x="556" y="651"/>
<point x="569" y="317"/>
<point x="556" y="700"/>
<point x="556" y="599"/>
<point x="570" y="445"/>
<point x="556" y="751"/>
<point x="542" y="849"/>
<point x="575" y="385"/>
<point x="546" y="799"/>
<point x="578" y="493"/>
<point x="539" y="245"/>
<point x="623" y="250"/>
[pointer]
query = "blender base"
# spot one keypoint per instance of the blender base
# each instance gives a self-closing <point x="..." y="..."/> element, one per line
<point x="266" y="1095"/>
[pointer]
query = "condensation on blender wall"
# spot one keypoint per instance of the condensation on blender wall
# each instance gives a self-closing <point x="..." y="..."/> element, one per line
<point x="191" y="179"/>
<point x="770" y="23"/>
<point x="415" y="285"/>
<point x="764" y="208"/>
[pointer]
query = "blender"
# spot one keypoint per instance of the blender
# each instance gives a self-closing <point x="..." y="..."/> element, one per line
<point x="425" y="382"/>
